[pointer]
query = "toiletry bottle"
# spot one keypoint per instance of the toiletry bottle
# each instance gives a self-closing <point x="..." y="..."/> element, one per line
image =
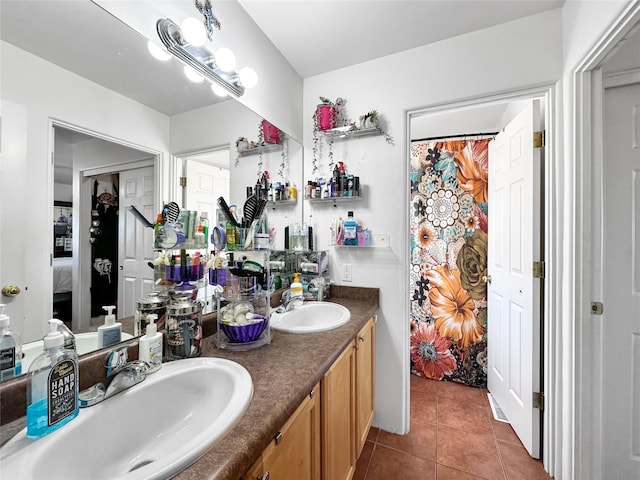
<point x="150" y="347"/>
<point x="230" y="236"/>
<point x="350" y="230"/>
<point x="156" y="227"/>
<point x="204" y="222"/>
<point x="110" y="333"/>
<point x="199" y="237"/>
<point x="52" y="391"/>
<point x="10" y="349"/>
<point x="296" y="286"/>
<point x="277" y="281"/>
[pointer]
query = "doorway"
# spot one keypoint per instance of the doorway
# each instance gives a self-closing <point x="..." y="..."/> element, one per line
<point x="489" y="115"/>
<point x="80" y="158"/>
<point x="606" y="199"/>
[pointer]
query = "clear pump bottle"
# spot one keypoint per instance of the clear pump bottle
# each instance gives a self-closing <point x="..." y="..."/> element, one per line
<point x="10" y="349"/>
<point x="52" y="391"/>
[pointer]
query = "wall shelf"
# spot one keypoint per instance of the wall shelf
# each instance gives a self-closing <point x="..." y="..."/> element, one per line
<point x="335" y="200"/>
<point x="266" y="148"/>
<point x="273" y="204"/>
<point x="377" y="240"/>
<point x="350" y="131"/>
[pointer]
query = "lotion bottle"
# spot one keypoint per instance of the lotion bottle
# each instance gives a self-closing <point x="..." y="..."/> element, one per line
<point x="111" y="332"/>
<point x="53" y="388"/>
<point x="296" y="286"/>
<point x="10" y="349"/>
<point x="150" y="346"/>
<point x="350" y="230"/>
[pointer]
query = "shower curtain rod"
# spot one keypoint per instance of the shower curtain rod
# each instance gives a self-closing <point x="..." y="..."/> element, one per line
<point x="463" y="136"/>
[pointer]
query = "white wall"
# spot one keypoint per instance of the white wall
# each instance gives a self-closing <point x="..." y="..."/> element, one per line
<point x="33" y="93"/>
<point x="504" y="58"/>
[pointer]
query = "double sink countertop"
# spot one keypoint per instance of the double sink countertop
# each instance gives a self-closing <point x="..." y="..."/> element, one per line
<point x="283" y="374"/>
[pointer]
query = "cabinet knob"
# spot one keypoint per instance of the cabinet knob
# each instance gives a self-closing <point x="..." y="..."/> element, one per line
<point x="278" y="438"/>
<point x="362" y="339"/>
<point x="264" y="476"/>
<point x="10" y="290"/>
<point x="312" y="393"/>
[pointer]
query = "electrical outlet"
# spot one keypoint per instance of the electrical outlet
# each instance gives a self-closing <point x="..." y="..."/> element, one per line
<point x="346" y="272"/>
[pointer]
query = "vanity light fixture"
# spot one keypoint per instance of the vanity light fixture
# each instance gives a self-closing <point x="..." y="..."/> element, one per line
<point x="218" y="68"/>
<point x="157" y="52"/>
<point x="192" y="75"/>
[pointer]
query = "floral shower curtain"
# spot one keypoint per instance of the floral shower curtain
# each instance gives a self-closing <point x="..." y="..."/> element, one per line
<point x="448" y="221"/>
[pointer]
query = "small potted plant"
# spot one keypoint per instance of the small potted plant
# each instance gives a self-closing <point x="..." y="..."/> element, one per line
<point x="370" y="120"/>
<point x="242" y="144"/>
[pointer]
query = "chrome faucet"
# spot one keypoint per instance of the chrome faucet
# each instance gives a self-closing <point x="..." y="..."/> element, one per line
<point x="289" y="302"/>
<point x="125" y="375"/>
<point x="69" y="338"/>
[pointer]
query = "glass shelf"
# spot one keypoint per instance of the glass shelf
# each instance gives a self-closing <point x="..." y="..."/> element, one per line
<point x="281" y="203"/>
<point x="335" y="200"/>
<point x="267" y="148"/>
<point x="350" y="131"/>
<point x="377" y="240"/>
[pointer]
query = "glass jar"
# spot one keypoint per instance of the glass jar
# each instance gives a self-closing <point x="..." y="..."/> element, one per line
<point x="184" y="327"/>
<point x="154" y="302"/>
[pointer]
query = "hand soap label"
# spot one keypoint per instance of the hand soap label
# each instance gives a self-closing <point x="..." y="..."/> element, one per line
<point x="7" y="359"/>
<point x="62" y="390"/>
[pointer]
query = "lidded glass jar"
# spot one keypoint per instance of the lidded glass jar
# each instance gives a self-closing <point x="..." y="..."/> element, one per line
<point x="154" y="302"/>
<point x="183" y="326"/>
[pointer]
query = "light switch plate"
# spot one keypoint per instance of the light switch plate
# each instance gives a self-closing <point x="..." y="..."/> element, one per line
<point x="347" y="272"/>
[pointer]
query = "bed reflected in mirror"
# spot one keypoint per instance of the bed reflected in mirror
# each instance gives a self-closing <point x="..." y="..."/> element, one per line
<point x="62" y="258"/>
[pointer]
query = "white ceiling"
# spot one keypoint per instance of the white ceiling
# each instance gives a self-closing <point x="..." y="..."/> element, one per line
<point x="316" y="36"/>
<point x="319" y="36"/>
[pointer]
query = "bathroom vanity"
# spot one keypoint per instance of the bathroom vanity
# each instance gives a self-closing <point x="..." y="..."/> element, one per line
<point x="285" y="424"/>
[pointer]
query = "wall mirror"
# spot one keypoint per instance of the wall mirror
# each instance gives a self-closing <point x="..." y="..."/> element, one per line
<point x="41" y="104"/>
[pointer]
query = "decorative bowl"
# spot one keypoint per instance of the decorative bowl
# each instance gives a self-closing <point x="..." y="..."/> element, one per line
<point x="244" y="333"/>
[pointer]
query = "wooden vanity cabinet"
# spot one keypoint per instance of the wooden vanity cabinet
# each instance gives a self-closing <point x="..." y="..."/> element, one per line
<point x="348" y="406"/>
<point x="325" y="436"/>
<point x="294" y="453"/>
<point x="365" y="374"/>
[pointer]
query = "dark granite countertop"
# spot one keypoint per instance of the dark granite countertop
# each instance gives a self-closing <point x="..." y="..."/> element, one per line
<point x="283" y="373"/>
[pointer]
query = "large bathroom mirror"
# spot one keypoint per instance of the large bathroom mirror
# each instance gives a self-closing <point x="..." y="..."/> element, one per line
<point x="77" y="82"/>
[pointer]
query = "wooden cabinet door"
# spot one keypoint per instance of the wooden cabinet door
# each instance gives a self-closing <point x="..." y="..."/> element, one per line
<point x="294" y="454"/>
<point x="338" y="418"/>
<point x="365" y="358"/>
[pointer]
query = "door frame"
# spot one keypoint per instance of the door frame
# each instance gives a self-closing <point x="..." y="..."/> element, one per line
<point x="81" y="308"/>
<point x="551" y="368"/>
<point x="586" y="212"/>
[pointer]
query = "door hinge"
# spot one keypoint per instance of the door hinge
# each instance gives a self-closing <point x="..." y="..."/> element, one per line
<point x="183" y="182"/>
<point x="538" y="400"/>
<point x="538" y="139"/>
<point x="538" y="270"/>
<point x="597" y="308"/>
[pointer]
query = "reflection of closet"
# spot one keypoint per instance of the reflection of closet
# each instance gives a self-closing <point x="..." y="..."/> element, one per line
<point x="62" y="233"/>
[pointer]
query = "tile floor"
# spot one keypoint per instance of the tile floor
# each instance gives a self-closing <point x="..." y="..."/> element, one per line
<point x="453" y="437"/>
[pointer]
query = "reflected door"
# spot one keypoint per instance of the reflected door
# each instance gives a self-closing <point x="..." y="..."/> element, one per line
<point x="135" y="248"/>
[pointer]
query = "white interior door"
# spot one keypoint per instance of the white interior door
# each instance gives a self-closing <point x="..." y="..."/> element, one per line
<point x="621" y="317"/>
<point x="135" y="248"/>
<point x="513" y="293"/>
<point x="205" y="184"/>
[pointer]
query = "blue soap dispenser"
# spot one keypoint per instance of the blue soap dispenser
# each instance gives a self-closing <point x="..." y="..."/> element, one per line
<point x="53" y="387"/>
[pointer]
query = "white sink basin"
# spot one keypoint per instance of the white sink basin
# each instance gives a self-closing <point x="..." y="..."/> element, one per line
<point x="85" y="343"/>
<point x="311" y="317"/>
<point x="150" y="431"/>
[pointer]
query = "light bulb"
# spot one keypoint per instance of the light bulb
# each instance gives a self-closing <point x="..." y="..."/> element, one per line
<point x="218" y="90"/>
<point x="193" y="31"/>
<point x="248" y="77"/>
<point x="225" y="59"/>
<point x="157" y="52"/>
<point x="192" y="75"/>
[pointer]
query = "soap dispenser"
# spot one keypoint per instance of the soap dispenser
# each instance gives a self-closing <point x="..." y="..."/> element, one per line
<point x="296" y="286"/>
<point x="150" y="347"/>
<point x="10" y="349"/>
<point x="52" y="391"/>
<point x="111" y="332"/>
